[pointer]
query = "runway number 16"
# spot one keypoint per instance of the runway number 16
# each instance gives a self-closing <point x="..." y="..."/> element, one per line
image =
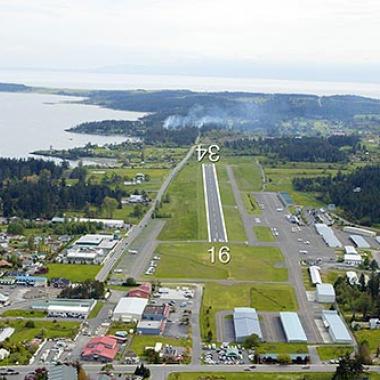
<point x="223" y="256"/>
<point x="212" y="152"/>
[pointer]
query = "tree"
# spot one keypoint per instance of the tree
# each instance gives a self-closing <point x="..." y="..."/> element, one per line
<point x="348" y="369"/>
<point x="284" y="359"/>
<point x="251" y="341"/>
<point x="364" y="353"/>
<point x="30" y="324"/>
<point x="130" y="281"/>
<point x="31" y="244"/>
<point x="15" y="228"/>
<point x="110" y="205"/>
<point x="142" y="371"/>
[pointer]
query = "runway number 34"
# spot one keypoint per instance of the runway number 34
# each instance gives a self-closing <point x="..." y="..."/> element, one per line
<point x="212" y="151"/>
<point x="223" y="255"/>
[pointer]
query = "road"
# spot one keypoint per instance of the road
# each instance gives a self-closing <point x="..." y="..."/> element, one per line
<point x="137" y="229"/>
<point x="214" y="210"/>
<point x="161" y="372"/>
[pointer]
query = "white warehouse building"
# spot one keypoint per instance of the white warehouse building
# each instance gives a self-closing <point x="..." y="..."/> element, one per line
<point x="353" y="260"/>
<point x="129" y="309"/>
<point x="328" y="235"/>
<point x="336" y="327"/>
<point x="325" y="293"/>
<point x="315" y="276"/>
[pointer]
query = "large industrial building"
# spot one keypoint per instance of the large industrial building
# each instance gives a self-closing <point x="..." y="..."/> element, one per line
<point x="336" y="327"/>
<point x="352" y="260"/>
<point x="246" y="323"/>
<point x="61" y="307"/>
<point x="328" y="235"/>
<point x="129" y="309"/>
<point x="359" y="241"/>
<point x="292" y="326"/>
<point x="325" y="293"/>
<point x="359" y="231"/>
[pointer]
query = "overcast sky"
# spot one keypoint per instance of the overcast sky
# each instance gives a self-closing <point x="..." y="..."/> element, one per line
<point x="330" y="35"/>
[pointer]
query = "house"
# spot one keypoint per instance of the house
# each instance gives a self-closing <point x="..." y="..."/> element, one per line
<point x="136" y="198"/>
<point x="352" y="277"/>
<point x="374" y="323"/>
<point x="4" y="353"/>
<point x="143" y="291"/>
<point x="103" y="349"/>
<point x="5" y="263"/>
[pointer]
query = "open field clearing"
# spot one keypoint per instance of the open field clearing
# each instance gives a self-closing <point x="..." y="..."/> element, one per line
<point x="371" y="336"/>
<point x="186" y="207"/>
<point x="247" y="173"/>
<point x="192" y="260"/>
<point x="73" y="272"/>
<point x="333" y="352"/>
<point x="140" y="342"/>
<point x="263" y="233"/>
<point x="273" y="297"/>
<point x="282" y="348"/>
<point x="234" y="224"/>
<point x="281" y="180"/>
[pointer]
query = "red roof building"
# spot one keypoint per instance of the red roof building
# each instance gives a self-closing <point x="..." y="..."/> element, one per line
<point x="143" y="291"/>
<point x="102" y="349"/>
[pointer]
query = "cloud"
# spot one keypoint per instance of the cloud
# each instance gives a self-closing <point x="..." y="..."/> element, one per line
<point x="92" y="33"/>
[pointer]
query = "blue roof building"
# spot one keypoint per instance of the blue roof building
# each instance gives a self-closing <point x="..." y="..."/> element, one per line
<point x="293" y="329"/>
<point x="336" y="327"/>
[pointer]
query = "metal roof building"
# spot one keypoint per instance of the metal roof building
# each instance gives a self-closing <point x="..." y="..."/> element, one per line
<point x="336" y="327"/>
<point x="359" y="231"/>
<point x="246" y="323"/>
<point x="129" y="309"/>
<point x="359" y="241"/>
<point x="353" y="260"/>
<point x="328" y="235"/>
<point x="325" y="293"/>
<point x="293" y="329"/>
<point x="350" y="250"/>
<point x="315" y="275"/>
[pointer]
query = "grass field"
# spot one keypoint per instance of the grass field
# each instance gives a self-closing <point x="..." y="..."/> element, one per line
<point x="371" y="336"/>
<point x="96" y="309"/>
<point x="282" y="348"/>
<point x="280" y="179"/>
<point x="263" y="233"/>
<point x="333" y="352"/>
<point x="46" y="329"/>
<point x="157" y="177"/>
<point x="192" y="260"/>
<point x="234" y="224"/>
<point x="186" y="207"/>
<point x="217" y="297"/>
<point x="273" y="297"/>
<point x="246" y="172"/>
<point x="250" y="203"/>
<point x="73" y="272"/>
<point x="139" y="342"/>
<point x="24" y="313"/>
<point x="249" y="376"/>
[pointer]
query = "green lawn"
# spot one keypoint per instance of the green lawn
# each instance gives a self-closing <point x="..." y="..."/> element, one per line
<point x="234" y="224"/>
<point x="192" y="260"/>
<point x="372" y="336"/>
<point x="139" y="342"/>
<point x="73" y="272"/>
<point x="282" y="348"/>
<point x="96" y="309"/>
<point x="24" y="313"/>
<point x="250" y="203"/>
<point x="263" y="233"/>
<point x="273" y="297"/>
<point x="186" y="207"/>
<point x="249" y="376"/>
<point x="47" y="329"/>
<point x="280" y="179"/>
<point x="246" y="172"/>
<point x="333" y="352"/>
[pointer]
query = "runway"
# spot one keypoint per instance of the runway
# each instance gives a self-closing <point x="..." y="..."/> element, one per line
<point x="214" y="210"/>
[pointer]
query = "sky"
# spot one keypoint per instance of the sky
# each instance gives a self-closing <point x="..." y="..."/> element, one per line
<point x="324" y="39"/>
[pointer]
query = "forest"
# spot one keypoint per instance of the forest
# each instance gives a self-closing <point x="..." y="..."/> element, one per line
<point x="356" y="193"/>
<point x="307" y="149"/>
<point x="38" y="189"/>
